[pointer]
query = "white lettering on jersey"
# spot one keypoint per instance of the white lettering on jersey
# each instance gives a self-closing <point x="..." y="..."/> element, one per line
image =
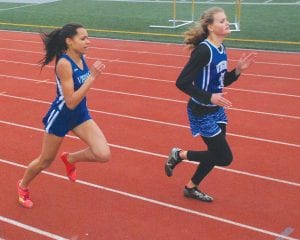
<point x="221" y="80"/>
<point x="221" y="66"/>
<point x="82" y="78"/>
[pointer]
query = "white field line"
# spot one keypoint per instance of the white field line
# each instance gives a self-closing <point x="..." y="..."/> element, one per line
<point x="163" y="204"/>
<point x="165" y="156"/>
<point x="158" y="98"/>
<point x="34" y="3"/>
<point x="212" y="2"/>
<point x="27" y="227"/>
<point x="22" y="6"/>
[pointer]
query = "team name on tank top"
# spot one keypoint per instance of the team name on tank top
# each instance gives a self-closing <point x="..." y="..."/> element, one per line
<point x="79" y="76"/>
<point x="211" y="77"/>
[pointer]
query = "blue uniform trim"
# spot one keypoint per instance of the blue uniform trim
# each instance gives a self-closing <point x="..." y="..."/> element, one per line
<point x="59" y="120"/>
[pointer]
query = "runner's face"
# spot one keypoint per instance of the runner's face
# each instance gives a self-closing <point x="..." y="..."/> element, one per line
<point x="80" y="42"/>
<point x="220" y="26"/>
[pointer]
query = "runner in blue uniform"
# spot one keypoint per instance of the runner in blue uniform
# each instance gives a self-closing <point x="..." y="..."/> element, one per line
<point x="203" y="79"/>
<point x="68" y="111"/>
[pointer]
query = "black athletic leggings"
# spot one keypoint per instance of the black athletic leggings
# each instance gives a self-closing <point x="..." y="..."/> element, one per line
<point x="218" y="154"/>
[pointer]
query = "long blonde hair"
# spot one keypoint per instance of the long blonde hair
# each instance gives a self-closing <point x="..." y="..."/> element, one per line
<point x="199" y="31"/>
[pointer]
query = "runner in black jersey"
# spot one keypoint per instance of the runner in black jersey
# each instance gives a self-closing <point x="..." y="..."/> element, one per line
<point x="203" y="79"/>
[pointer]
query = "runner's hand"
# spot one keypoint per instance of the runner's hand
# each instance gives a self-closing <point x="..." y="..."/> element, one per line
<point x="97" y="68"/>
<point x="244" y="62"/>
<point x="218" y="99"/>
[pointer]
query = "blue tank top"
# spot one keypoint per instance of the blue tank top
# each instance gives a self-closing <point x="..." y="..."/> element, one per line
<point x="79" y="76"/>
<point x="211" y="77"/>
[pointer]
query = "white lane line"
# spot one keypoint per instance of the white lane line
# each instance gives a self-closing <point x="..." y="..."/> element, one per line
<point x="181" y="101"/>
<point x="286" y="232"/>
<point x="161" y="122"/>
<point x="273" y="77"/>
<point x="263" y="92"/>
<point x="157" y="53"/>
<point x="244" y="74"/>
<point x="164" y="204"/>
<point x="157" y="43"/>
<point x="30" y="228"/>
<point x="146" y="64"/>
<point x="295" y="184"/>
<point x="152" y="79"/>
<point x="155" y="98"/>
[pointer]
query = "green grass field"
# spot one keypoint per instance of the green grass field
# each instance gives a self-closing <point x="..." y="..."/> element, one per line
<point x="263" y="26"/>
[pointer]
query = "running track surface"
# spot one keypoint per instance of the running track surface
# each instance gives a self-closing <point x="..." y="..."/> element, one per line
<point x="143" y="115"/>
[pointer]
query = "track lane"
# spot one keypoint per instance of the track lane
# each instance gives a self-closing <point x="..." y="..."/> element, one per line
<point x="123" y="131"/>
<point x="244" y="100"/>
<point x="130" y="167"/>
<point x="164" y="48"/>
<point x="13" y="231"/>
<point x="132" y="219"/>
<point x="243" y="123"/>
<point x="167" y="64"/>
<point x="247" y="189"/>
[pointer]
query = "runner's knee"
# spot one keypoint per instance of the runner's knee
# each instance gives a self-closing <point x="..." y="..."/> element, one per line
<point x="224" y="159"/>
<point x="101" y="154"/>
<point x="44" y="163"/>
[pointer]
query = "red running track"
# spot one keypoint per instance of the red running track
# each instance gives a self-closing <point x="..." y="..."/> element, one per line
<point x="143" y="115"/>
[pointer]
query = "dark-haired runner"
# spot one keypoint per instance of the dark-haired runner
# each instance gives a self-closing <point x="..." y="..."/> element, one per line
<point x="68" y="111"/>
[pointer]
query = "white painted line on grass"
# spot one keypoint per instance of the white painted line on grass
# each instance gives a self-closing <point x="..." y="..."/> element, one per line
<point x="22" y="6"/>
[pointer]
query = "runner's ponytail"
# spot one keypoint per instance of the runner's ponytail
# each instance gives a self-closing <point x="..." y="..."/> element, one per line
<point x="55" y="42"/>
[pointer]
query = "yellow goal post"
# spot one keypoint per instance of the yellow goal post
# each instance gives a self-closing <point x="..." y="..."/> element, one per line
<point x="236" y="25"/>
<point x="176" y="23"/>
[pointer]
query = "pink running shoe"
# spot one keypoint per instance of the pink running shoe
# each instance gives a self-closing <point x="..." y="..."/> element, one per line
<point x="70" y="168"/>
<point x="23" y="194"/>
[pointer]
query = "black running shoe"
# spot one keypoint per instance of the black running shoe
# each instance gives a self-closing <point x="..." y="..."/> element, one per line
<point x="172" y="161"/>
<point x="196" y="194"/>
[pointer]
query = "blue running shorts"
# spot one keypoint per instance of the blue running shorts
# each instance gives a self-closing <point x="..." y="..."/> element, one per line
<point x="61" y="122"/>
<point x="207" y="125"/>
